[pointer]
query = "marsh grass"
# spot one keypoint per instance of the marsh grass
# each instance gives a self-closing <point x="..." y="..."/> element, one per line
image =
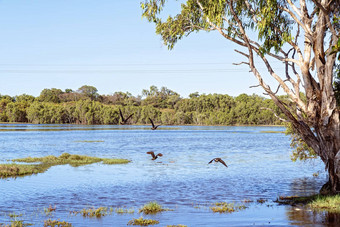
<point x="49" y="210"/>
<point x="121" y="210"/>
<point x="112" y="161"/>
<point x="223" y="207"/>
<point x="56" y="223"/>
<point x="142" y="222"/>
<point x="14" y="170"/>
<point x="16" y="222"/>
<point x="44" y="163"/>
<point x="73" y="160"/>
<point x="152" y="208"/>
<point x="317" y="202"/>
<point x="93" y="212"/>
<point x="330" y="203"/>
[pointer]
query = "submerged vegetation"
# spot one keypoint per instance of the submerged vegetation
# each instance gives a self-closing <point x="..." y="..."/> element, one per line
<point x="56" y="223"/>
<point x="143" y="222"/>
<point x="164" y="106"/>
<point x="73" y="160"/>
<point x="152" y="208"/>
<point x="120" y="210"/>
<point x="223" y="207"/>
<point x="94" y="212"/>
<point x="44" y="163"/>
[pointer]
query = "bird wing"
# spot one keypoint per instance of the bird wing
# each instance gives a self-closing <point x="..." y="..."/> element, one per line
<point x="221" y="161"/>
<point x="159" y="154"/>
<point x="211" y="161"/>
<point x="152" y="122"/>
<point x="152" y="153"/>
<point x="121" y="115"/>
<point x="128" y="117"/>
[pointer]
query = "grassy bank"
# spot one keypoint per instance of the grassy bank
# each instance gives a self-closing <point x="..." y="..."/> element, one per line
<point x="330" y="203"/>
<point x="41" y="164"/>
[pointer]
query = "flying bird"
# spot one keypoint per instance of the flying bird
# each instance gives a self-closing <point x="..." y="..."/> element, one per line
<point x="123" y="122"/>
<point x="153" y="155"/>
<point x="218" y="160"/>
<point x="153" y="125"/>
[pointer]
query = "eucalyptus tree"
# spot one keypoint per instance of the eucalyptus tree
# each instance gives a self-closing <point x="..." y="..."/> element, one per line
<point x="300" y="34"/>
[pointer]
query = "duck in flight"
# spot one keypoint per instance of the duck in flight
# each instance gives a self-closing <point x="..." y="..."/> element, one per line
<point x="124" y="121"/>
<point x="153" y="155"/>
<point x="153" y="125"/>
<point x="218" y="160"/>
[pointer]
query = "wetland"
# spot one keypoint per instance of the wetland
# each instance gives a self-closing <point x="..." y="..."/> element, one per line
<point x="181" y="184"/>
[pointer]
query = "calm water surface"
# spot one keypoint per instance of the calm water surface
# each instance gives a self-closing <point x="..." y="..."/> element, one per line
<point x="258" y="160"/>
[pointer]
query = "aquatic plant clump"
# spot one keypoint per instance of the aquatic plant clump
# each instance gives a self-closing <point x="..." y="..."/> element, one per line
<point x="224" y="207"/>
<point x="124" y="211"/>
<point x="65" y="158"/>
<point x="142" y="222"/>
<point x="112" y="161"/>
<point x="56" y="223"/>
<point x="93" y="212"/>
<point x="152" y="208"/>
<point x="44" y="163"/>
<point x="14" y="170"/>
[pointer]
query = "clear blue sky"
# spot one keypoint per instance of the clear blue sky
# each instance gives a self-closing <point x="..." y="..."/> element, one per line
<point x="106" y="44"/>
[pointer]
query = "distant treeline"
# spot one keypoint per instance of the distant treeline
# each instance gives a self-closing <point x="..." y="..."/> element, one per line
<point x="164" y="106"/>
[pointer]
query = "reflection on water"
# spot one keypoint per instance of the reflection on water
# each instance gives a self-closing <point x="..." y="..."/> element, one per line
<point x="301" y="216"/>
<point x="258" y="167"/>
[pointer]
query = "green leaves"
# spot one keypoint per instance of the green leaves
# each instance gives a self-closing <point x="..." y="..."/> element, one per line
<point x="264" y="16"/>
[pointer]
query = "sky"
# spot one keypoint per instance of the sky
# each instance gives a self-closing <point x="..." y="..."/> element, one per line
<point x="106" y="44"/>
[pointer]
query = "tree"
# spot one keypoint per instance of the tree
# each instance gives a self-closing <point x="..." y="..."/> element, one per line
<point x="88" y="91"/>
<point x="300" y="34"/>
<point x="50" y="95"/>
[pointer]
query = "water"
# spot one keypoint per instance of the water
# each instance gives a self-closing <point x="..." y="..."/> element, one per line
<point x="258" y="160"/>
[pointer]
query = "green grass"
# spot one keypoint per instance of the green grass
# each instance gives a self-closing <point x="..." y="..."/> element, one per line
<point x="223" y="207"/>
<point x="143" y="222"/>
<point x="330" y="203"/>
<point x="44" y="163"/>
<point x="152" y="208"/>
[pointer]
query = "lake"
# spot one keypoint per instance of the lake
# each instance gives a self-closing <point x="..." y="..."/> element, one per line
<point x="259" y="169"/>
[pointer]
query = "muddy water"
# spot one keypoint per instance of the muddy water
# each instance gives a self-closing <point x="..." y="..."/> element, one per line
<point x="258" y="160"/>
